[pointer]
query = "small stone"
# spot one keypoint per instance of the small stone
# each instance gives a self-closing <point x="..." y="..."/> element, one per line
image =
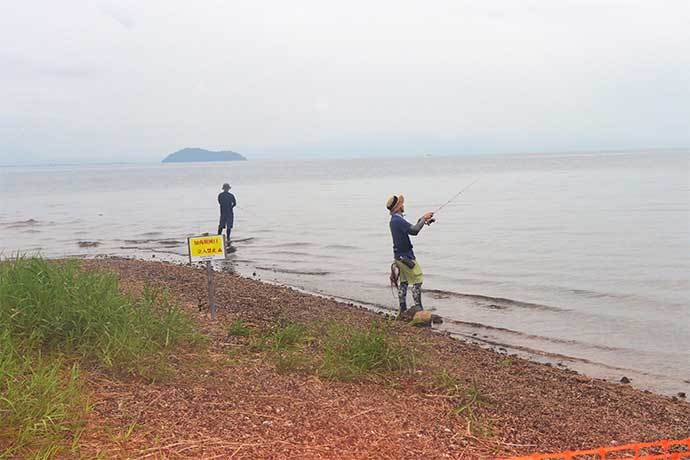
<point x="436" y="319"/>
<point x="681" y="395"/>
<point x="624" y="379"/>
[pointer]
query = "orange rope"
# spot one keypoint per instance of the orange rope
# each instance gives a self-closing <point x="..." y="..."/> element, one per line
<point x="635" y="452"/>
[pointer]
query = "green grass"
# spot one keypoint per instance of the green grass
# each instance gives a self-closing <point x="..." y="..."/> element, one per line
<point x="472" y="400"/>
<point x="467" y="401"/>
<point x="286" y="342"/>
<point x="339" y="351"/>
<point x="56" y="319"/>
<point x="352" y="353"/>
<point x="40" y="398"/>
<point x="446" y="382"/>
<point x="286" y="335"/>
<point x="291" y="361"/>
<point x="59" y="308"/>
<point x="239" y="329"/>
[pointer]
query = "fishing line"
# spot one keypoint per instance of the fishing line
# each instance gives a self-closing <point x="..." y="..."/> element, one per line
<point x="457" y="195"/>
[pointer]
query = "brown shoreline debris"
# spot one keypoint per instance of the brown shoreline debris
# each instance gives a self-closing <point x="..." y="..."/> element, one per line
<point x="460" y="401"/>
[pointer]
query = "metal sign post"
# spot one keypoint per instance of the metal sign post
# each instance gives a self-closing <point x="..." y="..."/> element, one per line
<point x="211" y="302"/>
<point x="206" y="248"/>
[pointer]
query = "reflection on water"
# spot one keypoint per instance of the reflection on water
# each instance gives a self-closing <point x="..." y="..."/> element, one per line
<point x="583" y="258"/>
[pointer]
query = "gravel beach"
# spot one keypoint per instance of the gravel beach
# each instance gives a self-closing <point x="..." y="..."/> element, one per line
<point x="231" y="401"/>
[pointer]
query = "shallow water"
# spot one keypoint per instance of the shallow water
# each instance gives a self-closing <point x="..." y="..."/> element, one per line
<point x="581" y="259"/>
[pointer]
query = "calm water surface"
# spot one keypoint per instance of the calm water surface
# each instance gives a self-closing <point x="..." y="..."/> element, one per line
<point x="579" y="259"/>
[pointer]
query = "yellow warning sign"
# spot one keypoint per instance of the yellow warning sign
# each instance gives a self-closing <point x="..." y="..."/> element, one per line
<point x="206" y="248"/>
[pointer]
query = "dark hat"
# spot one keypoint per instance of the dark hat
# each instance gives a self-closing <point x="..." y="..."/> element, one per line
<point x="226" y="186"/>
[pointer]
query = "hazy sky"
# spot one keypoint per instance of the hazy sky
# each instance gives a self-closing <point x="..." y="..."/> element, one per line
<point x="105" y="80"/>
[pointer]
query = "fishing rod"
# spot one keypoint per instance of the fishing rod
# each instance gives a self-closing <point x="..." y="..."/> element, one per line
<point x="453" y="198"/>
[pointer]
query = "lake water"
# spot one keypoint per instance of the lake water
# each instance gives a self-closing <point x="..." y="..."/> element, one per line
<point x="579" y="259"/>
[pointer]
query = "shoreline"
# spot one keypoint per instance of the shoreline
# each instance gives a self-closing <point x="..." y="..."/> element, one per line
<point x="534" y="407"/>
<point x="478" y="334"/>
<point x="463" y="331"/>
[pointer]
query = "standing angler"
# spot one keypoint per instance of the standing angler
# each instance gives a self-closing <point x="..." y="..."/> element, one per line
<point x="227" y="203"/>
<point x="408" y="269"/>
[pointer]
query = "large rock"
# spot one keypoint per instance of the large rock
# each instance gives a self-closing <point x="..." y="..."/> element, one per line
<point x="421" y="319"/>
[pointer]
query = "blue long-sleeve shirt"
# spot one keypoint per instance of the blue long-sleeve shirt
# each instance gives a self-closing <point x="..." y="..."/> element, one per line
<point x="401" y="231"/>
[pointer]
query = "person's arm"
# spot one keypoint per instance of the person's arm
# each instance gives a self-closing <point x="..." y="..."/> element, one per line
<point x="234" y="201"/>
<point x="416" y="228"/>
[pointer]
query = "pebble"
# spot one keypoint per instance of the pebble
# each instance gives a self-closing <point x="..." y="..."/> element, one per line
<point x="624" y="379"/>
<point x="681" y="395"/>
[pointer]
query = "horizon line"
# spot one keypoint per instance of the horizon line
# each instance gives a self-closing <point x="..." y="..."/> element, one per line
<point x="269" y="157"/>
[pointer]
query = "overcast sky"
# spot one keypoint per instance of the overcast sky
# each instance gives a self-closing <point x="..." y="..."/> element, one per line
<point x="120" y="80"/>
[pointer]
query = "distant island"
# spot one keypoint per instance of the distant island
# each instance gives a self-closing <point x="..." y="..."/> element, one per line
<point x="189" y="155"/>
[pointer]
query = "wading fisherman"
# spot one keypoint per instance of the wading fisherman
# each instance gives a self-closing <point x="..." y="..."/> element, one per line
<point x="227" y="203"/>
<point x="406" y="270"/>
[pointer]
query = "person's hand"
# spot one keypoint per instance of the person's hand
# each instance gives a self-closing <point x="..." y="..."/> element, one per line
<point x="428" y="216"/>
